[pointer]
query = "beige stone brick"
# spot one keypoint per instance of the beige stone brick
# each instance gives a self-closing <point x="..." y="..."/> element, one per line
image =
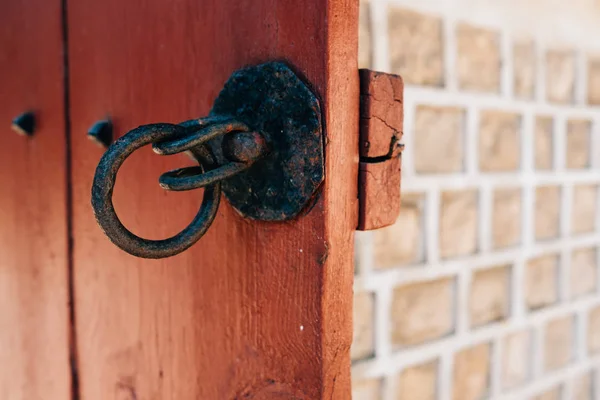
<point x="506" y="218"/>
<point x="541" y="281"/>
<point x="583" y="211"/>
<point x="401" y="243"/>
<point x="472" y="373"/>
<point x="364" y="35"/>
<point x="439" y="139"/>
<point x="593" y="83"/>
<point x="582" y="387"/>
<point x="363" y="321"/>
<point x="516" y="359"/>
<point x="478" y="58"/>
<point x="560" y="76"/>
<point x="544" y="143"/>
<point x="547" y="212"/>
<point x="583" y="271"/>
<point x="524" y="69"/>
<point x="558" y="343"/>
<point x="550" y="394"/>
<point x="419" y="382"/>
<point x="366" y="389"/>
<point x="593" y="333"/>
<point x="458" y="223"/>
<point x="416" y="48"/>
<point x="489" y="298"/>
<point x="499" y="136"/>
<point x="422" y="312"/>
<point x="578" y="144"/>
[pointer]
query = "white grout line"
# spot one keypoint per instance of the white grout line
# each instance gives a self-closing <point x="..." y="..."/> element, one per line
<point x="540" y="76"/>
<point x="560" y="143"/>
<point x="596" y="384"/>
<point x="565" y="252"/>
<point x="507" y="60"/>
<point x="408" y="164"/>
<point x="432" y="217"/>
<point x="567" y="390"/>
<point x="537" y="354"/>
<point x="485" y="219"/>
<point x="580" y="78"/>
<point x="580" y="346"/>
<point x="379" y="37"/>
<point x="471" y="142"/>
<point x="383" y="346"/>
<point x="462" y="292"/>
<point x="445" y="371"/>
<point x="495" y="367"/>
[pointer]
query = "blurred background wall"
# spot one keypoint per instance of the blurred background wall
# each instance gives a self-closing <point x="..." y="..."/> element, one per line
<point x="488" y="284"/>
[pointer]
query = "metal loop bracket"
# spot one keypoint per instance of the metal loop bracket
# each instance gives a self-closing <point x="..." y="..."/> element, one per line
<point x="199" y="133"/>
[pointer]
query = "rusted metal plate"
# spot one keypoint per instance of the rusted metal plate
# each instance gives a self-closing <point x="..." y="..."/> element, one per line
<point x="381" y="114"/>
<point x="272" y="100"/>
<point x="381" y="120"/>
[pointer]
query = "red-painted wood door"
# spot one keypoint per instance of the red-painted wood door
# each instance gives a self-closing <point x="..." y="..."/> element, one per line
<point x="255" y="309"/>
<point x="34" y="250"/>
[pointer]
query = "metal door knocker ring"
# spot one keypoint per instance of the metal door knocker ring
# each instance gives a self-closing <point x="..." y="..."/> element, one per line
<point x="208" y="176"/>
<point x="261" y="145"/>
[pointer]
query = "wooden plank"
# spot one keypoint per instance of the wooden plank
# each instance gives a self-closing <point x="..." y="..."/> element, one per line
<point x="254" y="310"/>
<point x="381" y="129"/>
<point x="34" y="298"/>
<point x="381" y="114"/>
<point x="379" y="193"/>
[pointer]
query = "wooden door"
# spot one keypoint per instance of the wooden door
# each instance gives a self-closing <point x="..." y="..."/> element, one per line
<point x="34" y="254"/>
<point x="255" y="309"/>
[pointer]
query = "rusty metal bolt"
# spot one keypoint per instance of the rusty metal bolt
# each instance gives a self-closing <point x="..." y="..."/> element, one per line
<point x="101" y="132"/>
<point x="244" y="146"/>
<point x="24" y="124"/>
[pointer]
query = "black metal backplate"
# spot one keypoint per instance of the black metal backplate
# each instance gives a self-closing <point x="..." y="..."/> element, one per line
<point x="272" y="100"/>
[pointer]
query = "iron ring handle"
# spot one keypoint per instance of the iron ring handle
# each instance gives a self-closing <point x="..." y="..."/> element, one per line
<point x="102" y="190"/>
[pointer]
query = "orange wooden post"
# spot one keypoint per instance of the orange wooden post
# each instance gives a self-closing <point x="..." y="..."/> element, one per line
<point x="255" y="309"/>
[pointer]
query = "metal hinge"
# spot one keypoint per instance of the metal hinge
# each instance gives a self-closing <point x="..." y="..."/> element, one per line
<point x="381" y="120"/>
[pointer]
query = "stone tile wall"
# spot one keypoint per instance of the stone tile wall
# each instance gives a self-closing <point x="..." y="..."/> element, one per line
<point x="487" y="287"/>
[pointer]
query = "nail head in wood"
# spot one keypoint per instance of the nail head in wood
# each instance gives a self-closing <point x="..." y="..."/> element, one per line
<point x="101" y="133"/>
<point x="24" y="124"/>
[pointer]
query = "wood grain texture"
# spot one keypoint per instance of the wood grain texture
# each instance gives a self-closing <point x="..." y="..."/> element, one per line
<point x="34" y="314"/>
<point x="379" y="193"/>
<point x="381" y="129"/>
<point x="254" y="310"/>
<point x="381" y="113"/>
